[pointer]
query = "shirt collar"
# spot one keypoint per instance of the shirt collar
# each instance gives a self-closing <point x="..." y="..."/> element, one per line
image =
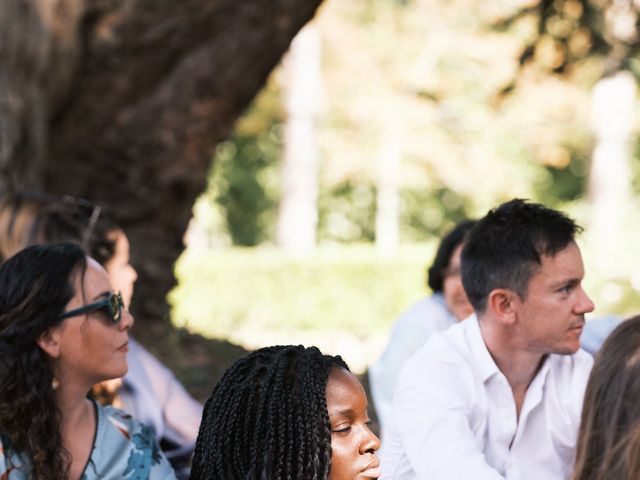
<point x="484" y="363"/>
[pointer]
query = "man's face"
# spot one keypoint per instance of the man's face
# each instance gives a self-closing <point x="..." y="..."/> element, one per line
<point x="551" y="317"/>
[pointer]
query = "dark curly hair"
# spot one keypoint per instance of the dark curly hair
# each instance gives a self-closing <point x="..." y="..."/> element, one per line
<point x="35" y="286"/>
<point x="29" y="218"/>
<point x="267" y="418"/>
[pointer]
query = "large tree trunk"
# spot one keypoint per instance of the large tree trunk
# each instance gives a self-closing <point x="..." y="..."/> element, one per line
<point x="122" y="102"/>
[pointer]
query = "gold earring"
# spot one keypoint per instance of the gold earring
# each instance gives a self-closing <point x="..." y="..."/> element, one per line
<point x="55" y="383"/>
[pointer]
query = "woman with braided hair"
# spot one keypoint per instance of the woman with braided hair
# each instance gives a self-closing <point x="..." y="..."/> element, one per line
<point x="62" y="330"/>
<point x="286" y="412"/>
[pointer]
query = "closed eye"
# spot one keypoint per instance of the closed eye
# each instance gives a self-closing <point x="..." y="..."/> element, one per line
<point x="342" y="429"/>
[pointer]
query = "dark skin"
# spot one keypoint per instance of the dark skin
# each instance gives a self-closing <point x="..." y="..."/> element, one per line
<point x="353" y="444"/>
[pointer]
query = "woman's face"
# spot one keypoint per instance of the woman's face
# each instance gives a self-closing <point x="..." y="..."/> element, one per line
<point x="353" y="445"/>
<point x="454" y="294"/>
<point x="122" y="275"/>
<point x="90" y="347"/>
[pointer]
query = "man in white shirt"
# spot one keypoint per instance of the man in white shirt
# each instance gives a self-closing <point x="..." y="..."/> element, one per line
<point x="499" y="395"/>
<point x="435" y="313"/>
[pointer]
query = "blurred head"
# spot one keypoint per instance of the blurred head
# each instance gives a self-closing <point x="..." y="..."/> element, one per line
<point x="29" y="219"/>
<point x="505" y="248"/>
<point x="37" y="286"/>
<point x="122" y="275"/>
<point x="286" y="412"/>
<point x="18" y="214"/>
<point x="444" y="274"/>
<point x="609" y="439"/>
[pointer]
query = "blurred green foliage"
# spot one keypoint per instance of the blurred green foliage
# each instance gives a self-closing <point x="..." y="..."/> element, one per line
<point x="475" y="127"/>
<point x="466" y="145"/>
<point x="236" y="291"/>
<point x="244" y="183"/>
<point x="242" y="294"/>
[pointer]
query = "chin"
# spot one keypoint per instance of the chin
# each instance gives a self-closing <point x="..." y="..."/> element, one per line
<point x="567" y="350"/>
<point x="118" y="373"/>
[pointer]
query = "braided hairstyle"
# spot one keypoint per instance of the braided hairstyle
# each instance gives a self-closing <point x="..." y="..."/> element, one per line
<point x="267" y="418"/>
<point x="35" y="286"/>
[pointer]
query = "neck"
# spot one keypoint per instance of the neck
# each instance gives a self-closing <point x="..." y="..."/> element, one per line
<point x="517" y="364"/>
<point x="73" y="404"/>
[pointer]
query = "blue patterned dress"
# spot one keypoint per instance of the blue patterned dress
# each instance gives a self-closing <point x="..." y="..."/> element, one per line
<point x="122" y="449"/>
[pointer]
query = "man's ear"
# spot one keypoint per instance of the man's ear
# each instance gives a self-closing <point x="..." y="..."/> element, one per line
<point x="49" y="342"/>
<point x="501" y="302"/>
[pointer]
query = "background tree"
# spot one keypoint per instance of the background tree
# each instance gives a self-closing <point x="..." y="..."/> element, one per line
<point x="594" y="42"/>
<point x="123" y="101"/>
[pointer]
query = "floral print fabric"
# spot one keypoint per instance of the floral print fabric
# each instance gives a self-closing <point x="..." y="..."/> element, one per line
<point x="123" y="449"/>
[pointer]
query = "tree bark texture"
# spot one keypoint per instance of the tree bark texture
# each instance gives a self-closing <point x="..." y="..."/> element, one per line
<point x="123" y="101"/>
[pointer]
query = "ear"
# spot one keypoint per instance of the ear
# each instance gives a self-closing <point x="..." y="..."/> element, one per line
<point x="502" y="303"/>
<point x="49" y="342"/>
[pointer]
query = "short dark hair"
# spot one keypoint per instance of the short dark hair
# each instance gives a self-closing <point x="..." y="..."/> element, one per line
<point x="505" y="248"/>
<point x="267" y="418"/>
<point x="448" y="244"/>
<point x="609" y="439"/>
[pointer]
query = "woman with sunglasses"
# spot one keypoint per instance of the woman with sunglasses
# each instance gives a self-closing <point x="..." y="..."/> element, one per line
<point x="62" y="330"/>
<point x="150" y="391"/>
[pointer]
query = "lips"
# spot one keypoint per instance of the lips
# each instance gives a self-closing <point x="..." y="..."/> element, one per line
<point x="372" y="470"/>
<point x="124" y="347"/>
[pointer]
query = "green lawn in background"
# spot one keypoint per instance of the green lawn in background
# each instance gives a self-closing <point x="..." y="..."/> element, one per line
<point x="338" y="288"/>
<point x="343" y="298"/>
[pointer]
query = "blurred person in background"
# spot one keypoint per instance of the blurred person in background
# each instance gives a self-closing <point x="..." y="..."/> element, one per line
<point x="596" y="331"/>
<point x="149" y="391"/>
<point x="446" y="306"/>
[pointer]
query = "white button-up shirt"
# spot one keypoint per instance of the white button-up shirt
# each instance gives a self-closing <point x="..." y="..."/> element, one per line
<point x="410" y="332"/>
<point x="454" y="416"/>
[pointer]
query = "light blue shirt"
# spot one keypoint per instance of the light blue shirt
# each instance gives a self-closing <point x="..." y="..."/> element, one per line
<point x="596" y="332"/>
<point x="122" y="449"/>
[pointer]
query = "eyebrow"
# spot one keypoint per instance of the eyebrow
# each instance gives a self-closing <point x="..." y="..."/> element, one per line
<point x="568" y="281"/>
<point x="346" y="412"/>
<point x="101" y="295"/>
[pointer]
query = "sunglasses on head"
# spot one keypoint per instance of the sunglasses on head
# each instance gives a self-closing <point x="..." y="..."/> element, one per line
<point x="112" y="305"/>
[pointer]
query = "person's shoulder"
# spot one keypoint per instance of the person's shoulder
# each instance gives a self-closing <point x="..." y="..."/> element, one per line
<point x="115" y="419"/>
<point x="426" y="312"/>
<point x="579" y="360"/>
<point x="443" y="347"/>
<point x="13" y="465"/>
<point x="572" y="369"/>
<point x="143" y="455"/>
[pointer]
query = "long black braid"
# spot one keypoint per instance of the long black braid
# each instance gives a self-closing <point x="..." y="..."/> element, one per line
<point x="267" y="418"/>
